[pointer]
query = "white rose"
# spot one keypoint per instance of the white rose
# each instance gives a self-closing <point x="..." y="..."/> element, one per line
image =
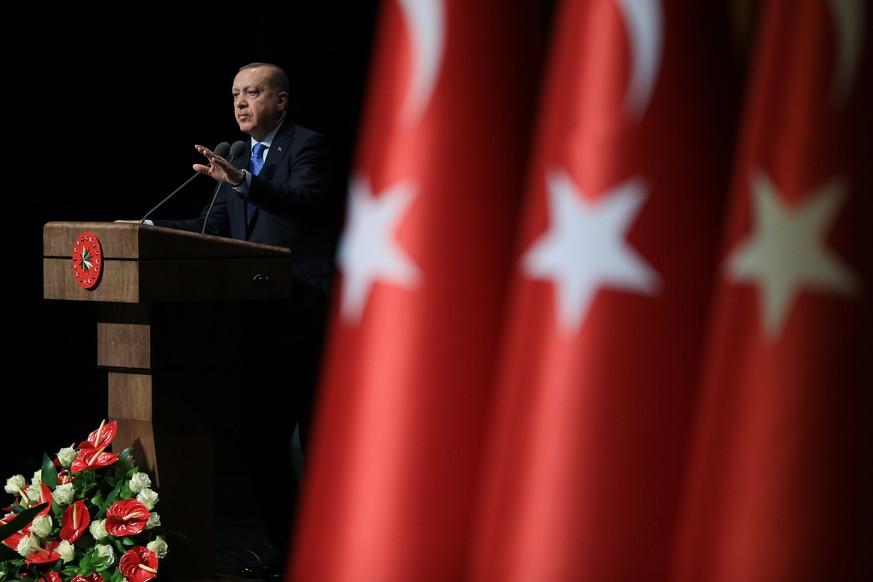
<point x="66" y="550"/>
<point x="66" y="456"/>
<point x="41" y="525"/>
<point x="148" y="497"/>
<point x="158" y="546"/>
<point x="26" y="546"/>
<point x="139" y="481"/>
<point x="98" y="529"/>
<point x="64" y="494"/>
<point x="32" y="493"/>
<point x="107" y="551"/>
<point x="154" y="520"/>
<point x="15" y="484"/>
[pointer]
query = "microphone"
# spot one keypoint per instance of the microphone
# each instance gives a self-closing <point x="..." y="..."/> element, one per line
<point x="221" y="150"/>
<point x="236" y="151"/>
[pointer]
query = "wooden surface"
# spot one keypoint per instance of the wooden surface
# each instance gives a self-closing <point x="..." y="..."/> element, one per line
<point x="144" y="264"/>
<point x="125" y="240"/>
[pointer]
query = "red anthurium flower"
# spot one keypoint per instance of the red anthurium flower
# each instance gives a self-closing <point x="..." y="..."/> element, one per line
<point x="45" y="495"/>
<point x="95" y="577"/>
<point x="100" y="438"/>
<point x="76" y="519"/>
<point x="13" y="540"/>
<point x="139" y="564"/>
<point x="52" y="577"/>
<point x="44" y="555"/>
<point x="127" y="517"/>
<point x="91" y="459"/>
<point x="64" y="477"/>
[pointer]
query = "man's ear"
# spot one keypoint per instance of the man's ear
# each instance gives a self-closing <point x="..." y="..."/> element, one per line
<point x="283" y="100"/>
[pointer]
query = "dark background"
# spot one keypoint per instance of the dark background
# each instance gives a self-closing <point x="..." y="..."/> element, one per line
<point x="103" y="112"/>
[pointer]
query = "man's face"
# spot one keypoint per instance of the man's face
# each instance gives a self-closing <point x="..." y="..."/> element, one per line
<point x="256" y="106"/>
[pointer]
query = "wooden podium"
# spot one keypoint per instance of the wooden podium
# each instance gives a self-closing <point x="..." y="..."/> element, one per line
<point x="161" y="347"/>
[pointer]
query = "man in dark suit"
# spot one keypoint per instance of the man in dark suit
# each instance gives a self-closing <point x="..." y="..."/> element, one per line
<point x="294" y="200"/>
<point x="287" y="197"/>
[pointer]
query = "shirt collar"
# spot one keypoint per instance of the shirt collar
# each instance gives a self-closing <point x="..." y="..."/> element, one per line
<point x="268" y="139"/>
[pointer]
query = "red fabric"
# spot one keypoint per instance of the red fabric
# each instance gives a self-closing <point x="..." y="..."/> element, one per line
<point x="780" y="481"/>
<point x="595" y="396"/>
<point x="390" y="475"/>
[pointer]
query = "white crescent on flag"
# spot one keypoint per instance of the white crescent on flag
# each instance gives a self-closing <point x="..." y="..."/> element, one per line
<point x="848" y="18"/>
<point x="643" y="20"/>
<point x="425" y="21"/>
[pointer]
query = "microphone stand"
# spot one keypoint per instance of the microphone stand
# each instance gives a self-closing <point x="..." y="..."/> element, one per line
<point x="173" y="193"/>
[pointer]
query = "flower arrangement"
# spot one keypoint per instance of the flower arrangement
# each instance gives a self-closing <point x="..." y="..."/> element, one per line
<point x="86" y="516"/>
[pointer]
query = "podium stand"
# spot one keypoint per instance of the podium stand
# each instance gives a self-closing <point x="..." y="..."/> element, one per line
<point x="162" y="349"/>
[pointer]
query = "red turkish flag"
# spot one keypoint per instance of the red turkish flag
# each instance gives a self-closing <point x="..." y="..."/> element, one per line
<point x="780" y="485"/>
<point x="425" y="259"/>
<point x="612" y="290"/>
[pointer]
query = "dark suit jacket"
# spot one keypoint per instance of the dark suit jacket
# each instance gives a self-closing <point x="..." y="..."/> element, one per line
<point x="297" y="203"/>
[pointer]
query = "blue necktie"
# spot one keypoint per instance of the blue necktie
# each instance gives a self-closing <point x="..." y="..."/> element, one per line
<point x="256" y="162"/>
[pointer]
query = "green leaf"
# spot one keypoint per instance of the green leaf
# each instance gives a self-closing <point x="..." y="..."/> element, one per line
<point x="113" y="496"/>
<point x="83" y="569"/>
<point x="15" y="524"/>
<point x="7" y="554"/>
<point x="98" y="562"/>
<point x="49" y="472"/>
<point x="20" y="520"/>
<point x="117" y="543"/>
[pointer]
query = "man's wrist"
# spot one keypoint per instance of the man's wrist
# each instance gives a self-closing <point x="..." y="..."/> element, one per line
<point x="241" y="181"/>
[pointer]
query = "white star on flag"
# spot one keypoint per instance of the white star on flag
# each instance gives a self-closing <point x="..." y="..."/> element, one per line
<point x="585" y="248"/>
<point x="368" y="250"/>
<point x="786" y="249"/>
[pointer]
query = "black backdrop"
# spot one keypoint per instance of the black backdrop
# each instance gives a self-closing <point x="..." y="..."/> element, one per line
<point x="103" y="112"/>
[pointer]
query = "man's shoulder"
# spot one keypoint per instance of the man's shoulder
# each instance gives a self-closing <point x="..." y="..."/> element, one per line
<point x="299" y="136"/>
<point x="306" y="132"/>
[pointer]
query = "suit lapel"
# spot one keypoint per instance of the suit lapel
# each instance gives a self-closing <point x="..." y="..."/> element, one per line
<point x="279" y="148"/>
